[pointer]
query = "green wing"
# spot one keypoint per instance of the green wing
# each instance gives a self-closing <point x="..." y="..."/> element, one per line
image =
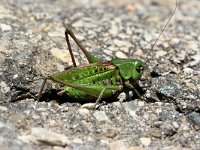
<point x="88" y="81"/>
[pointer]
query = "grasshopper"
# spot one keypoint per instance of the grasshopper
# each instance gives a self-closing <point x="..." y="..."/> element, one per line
<point x="99" y="79"/>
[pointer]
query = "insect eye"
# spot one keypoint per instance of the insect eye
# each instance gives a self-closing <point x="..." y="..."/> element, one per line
<point x="139" y="69"/>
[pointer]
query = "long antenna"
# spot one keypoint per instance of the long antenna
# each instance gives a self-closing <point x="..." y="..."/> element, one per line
<point x="163" y="29"/>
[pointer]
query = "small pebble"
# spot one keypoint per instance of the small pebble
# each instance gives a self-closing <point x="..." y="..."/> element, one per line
<point x="117" y="145"/>
<point x="139" y="52"/>
<point x="42" y="135"/>
<point x="188" y="70"/>
<point x="192" y="46"/>
<point x="83" y="111"/>
<point x="61" y="54"/>
<point x="4" y="88"/>
<point x="15" y="76"/>
<point x="101" y="116"/>
<point x="5" y="27"/>
<point x="157" y="123"/>
<point x="131" y="108"/>
<point x="135" y="148"/>
<point x="148" y="37"/>
<point x="175" y="124"/>
<point x="194" y="117"/>
<point x="77" y="140"/>
<point x="119" y="43"/>
<point x="141" y="103"/>
<point x="160" y="53"/>
<point x="145" y="141"/>
<point x="89" y="105"/>
<point x="2" y="125"/>
<point x="122" y="97"/>
<point x="120" y="54"/>
<point x="3" y="108"/>
<point x="130" y="8"/>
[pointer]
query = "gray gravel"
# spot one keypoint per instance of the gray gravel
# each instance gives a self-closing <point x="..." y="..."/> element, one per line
<point x="32" y="45"/>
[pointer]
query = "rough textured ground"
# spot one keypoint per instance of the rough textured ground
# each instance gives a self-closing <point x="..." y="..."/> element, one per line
<point x="32" y="45"/>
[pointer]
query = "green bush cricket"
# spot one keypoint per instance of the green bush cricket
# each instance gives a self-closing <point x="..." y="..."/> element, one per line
<point x="99" y="79"/>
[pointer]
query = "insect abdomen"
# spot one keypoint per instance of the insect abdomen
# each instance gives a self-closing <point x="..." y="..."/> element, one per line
<point x="101" y="75"/>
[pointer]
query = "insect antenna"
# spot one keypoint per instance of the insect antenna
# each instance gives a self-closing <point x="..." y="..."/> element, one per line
<point x="163" y="29"/>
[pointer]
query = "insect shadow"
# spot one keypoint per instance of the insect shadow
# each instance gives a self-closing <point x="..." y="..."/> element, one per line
<point x="51" y="94"/>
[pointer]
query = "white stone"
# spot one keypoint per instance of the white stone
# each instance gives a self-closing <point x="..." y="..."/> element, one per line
<point x="61" y="54"/>
<point x="15" y="76"/>
<point x="4" y="88"/>
<point x="122" y="97"/>
<point x="131" y="108"/>
<point x="83" y="111"/>
<point x="160" y="53"/>
<point x="77" y="140"/>
<point x="120" y="43"/>
<point x="175" y="124"/>
<point x="114" y="29"/>
<point x="101" y="116"/>
<point x="145" y="141"/>
<point x="118" y="145"/>
<point x="5" y="27"/>
<point x="192" y="46"/>
<point x="42" y="135"/>
<point x="138" y="52"/>
<point x="147" y="37"/>
<point x="141" y="103"/>
<point x="89" y="105"/>
<point x="188" y="70"/>
<point x="119" y="54"/>
<point x="3" y="108"/>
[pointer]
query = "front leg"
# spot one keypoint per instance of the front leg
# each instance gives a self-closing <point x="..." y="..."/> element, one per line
<point x="130" y="86"/>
